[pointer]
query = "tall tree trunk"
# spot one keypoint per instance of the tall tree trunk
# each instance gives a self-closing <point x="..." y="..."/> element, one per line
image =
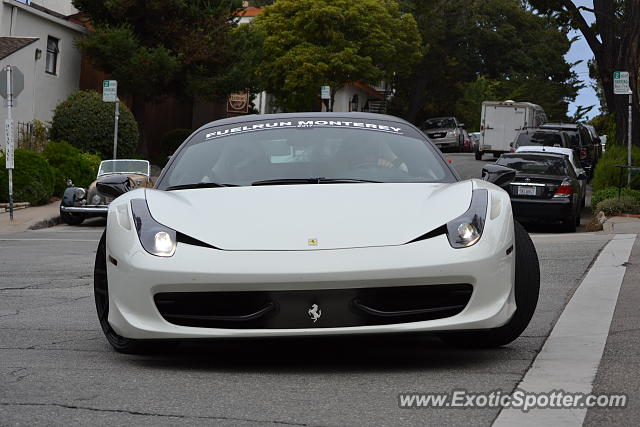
<point x="139" y="112"/>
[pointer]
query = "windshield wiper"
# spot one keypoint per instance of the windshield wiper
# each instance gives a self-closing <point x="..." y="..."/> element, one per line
<point x="319" y="180"/>
<point x="199" y="185"/>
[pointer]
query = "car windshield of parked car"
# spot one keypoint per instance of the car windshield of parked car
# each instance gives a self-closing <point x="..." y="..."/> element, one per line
<point x="322" y="150"/>
<point x="534" y="164"/>
<point x="440" y="124"/>
<point x="124" y="166"/>
<point x="550" y="139"/>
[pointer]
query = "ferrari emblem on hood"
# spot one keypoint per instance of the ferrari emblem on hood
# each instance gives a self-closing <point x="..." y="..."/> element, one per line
<point x="315" y="312"/>
<point x="312" y="242"/>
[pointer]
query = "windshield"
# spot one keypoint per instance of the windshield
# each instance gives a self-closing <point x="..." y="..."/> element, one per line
<point x="254" y="153"/>
<point x="124" y="166"/>
<point x="539" y="138"/>
<point x="534" y="164"/>
<point x="447" y="123"/>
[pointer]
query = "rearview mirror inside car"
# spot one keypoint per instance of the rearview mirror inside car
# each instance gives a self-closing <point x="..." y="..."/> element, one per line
<point x="115" y="185"/>
<point x="498" y="175"/>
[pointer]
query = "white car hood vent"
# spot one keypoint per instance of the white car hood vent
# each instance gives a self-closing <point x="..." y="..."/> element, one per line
<point x="309" y="217"/>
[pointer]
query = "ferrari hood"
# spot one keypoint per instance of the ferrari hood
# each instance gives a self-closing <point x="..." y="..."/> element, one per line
<point x="309" y="217"/>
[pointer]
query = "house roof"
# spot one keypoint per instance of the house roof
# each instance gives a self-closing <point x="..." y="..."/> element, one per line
<point x="250" y="12"/>
<point x="9" y="45"/>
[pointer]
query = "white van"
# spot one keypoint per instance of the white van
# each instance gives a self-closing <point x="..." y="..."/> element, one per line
<point x="501" y="121"/>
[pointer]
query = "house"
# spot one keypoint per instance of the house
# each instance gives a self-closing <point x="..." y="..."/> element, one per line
<point x="40" y="42"/>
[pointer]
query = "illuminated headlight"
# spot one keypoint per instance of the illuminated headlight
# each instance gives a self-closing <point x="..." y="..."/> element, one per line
<point x="80" y="193"/>
<point x="157" y="239"/>
<point x="466" y="230"/>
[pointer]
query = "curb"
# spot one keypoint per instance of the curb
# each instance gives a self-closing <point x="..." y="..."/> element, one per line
<point x="46" y="223"/>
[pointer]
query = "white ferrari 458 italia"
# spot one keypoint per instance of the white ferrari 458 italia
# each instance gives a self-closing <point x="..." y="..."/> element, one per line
<point x="313" y="224"/>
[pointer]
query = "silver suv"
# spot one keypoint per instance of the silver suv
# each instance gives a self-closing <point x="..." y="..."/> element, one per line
<point x="445" y="132"/>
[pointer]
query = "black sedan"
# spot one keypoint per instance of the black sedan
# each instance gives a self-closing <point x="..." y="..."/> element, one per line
<point x="545" y="188"/>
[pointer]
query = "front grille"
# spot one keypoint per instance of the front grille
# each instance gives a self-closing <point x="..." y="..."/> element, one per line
<point x="297" y="309"/>
<point x="437" y="135"/>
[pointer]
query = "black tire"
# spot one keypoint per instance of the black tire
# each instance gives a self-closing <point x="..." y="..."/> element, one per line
<point x="72" y="218"/>
<point x="496" y="155"/>
<point x="527" y="288"/>
<point x="101" y="294"/>
<point x="478" y="155"/>
<point x="569" y="224"/>
<point x="578" y="217"/>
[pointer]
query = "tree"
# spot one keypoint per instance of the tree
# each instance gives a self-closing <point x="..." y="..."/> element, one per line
<point x="614" y="39"/>
<point x="480" y="50"/>
<point x="156" y="48"/>
<point x="311" y="43"/>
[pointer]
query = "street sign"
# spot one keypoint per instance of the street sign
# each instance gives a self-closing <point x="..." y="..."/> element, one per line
<point x="110" y="90"/>
<point x="325" y="92"/>
<point x="621" y="83"/>
<point x="8" y="137"/>
<point x="17" y="79"/>
<point x="238" y="102"/>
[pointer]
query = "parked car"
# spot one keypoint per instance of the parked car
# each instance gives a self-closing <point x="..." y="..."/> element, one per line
<point x="475" y="141"/>
<point x="500" y="123"/>
<point x="546" y="187"/>
<point x="79" y="203"/>
<point x="466" y="144"/>
<point x="581" y="141"/>
<point x="542" y="137"/>
<point x="597" y="141"/>
<point x="445" y="132"/>
<point x="337" y="229"/>
<point x="573" y="159"/>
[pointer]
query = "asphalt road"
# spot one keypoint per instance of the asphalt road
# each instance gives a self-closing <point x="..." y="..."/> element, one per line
<point x="56" y="368"/>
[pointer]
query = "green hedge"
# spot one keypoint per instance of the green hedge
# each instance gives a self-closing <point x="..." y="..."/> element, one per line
<point x="32" y="178"/>
<point x="611" y="193"/>
<point x="626" y="205"/>
<point x="607" y="175"/>
<point x="70" y="163"/>
<point x="86" y="122"/>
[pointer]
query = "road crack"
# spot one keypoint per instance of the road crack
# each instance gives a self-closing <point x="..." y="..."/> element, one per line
<point x="152" y="414"/>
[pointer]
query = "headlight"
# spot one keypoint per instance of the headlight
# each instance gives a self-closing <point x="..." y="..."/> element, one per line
<point x="97" y="200"/>
<point x="466" y="230"/>
<point x="80" y="193"/>
<point x="155" y="238"/>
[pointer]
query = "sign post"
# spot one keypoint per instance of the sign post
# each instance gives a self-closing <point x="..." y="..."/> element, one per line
<point x="325" y="95"/>
<point x="621" y="87"/>
<point x="110" y="94"/>
<point x="11" y="84"/>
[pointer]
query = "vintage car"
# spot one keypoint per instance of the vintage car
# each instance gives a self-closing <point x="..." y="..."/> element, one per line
<point x="79" y="203"/>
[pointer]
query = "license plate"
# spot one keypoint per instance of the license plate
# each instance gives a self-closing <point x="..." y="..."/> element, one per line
<point x="526" y="191"/>
<point x="486" y="147"/>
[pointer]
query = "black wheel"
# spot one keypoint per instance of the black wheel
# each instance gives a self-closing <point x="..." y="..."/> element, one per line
<point x="101" y="293"/>
<point x="72" y="218"/>
<point x="527" y="288"/>
<point x="569" y="224"/>
<point x="578" y="218"/>
<point x="496" y="155"/>
<point x="478" y="155"/>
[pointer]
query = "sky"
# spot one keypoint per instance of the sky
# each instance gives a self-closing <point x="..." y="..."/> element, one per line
<point x="580" y="51"/>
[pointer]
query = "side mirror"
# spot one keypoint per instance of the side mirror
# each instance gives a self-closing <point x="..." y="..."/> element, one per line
<point x="582" y="176"/>
<point x="461" y="125"/>
<point x="498" y="175"/>
<point x="114" y="186"/>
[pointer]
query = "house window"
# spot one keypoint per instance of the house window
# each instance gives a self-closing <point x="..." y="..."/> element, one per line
<point x="52" y="55"/>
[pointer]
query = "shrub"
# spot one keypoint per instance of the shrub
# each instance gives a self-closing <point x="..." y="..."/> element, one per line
<point x="169" y="143"/>
<point x="32" y="178"/>
<point x="87" y="123"/>
<point x="612" y="192"/>
<point x="70" y="163"/>
<point x="627" y="205"/>
<point x="607" y="175"/>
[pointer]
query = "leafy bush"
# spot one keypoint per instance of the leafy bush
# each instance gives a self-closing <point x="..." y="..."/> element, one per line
<point x="626" y="205"/>
<point x="169" y="143"/>
<point x="70" y="163"/>
<point x="87" y="123"/>
<point x="607" y="175"/>
<point x="612" y="192"/>
<point x="32" y="178"/>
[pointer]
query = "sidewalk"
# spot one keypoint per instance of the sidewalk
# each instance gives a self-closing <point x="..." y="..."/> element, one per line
<point x="622" y="225"/>
<point x="24" y="219"/>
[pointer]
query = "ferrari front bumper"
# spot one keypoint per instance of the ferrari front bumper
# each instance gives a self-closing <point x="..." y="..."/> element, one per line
<point x="137" y="280"/>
